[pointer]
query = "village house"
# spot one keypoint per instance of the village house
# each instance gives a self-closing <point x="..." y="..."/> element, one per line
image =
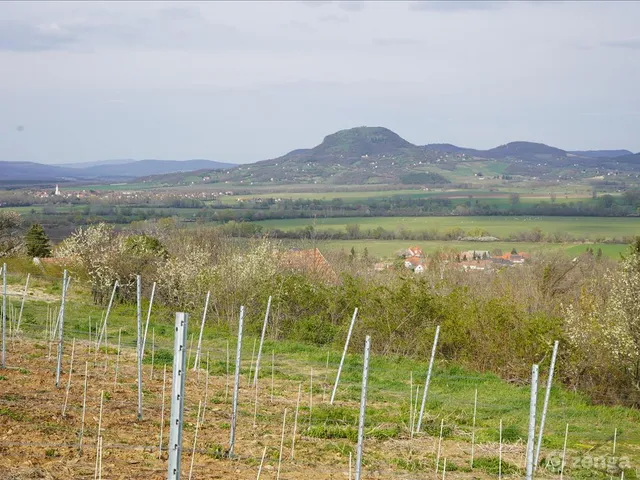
<point x="475" y="255"/>
<point x="414" y="263"/>
<point x="476" y="265"/>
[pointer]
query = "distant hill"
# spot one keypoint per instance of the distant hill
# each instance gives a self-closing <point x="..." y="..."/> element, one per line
<point x="96" y="163"/>
<point x="355" y="156"/>
<point x="448" y="148"/>
<point x="361" y="155"/>
<point x="525" y="151"/>
<point x="142" y="168"/>
<point x="600" y="153"/>
<point x="26" y="171"/>
<point x="377" y="155"/>
<point x="111" y="170"/>
<point x="351" y="145"/>
<point x="631" y="159"/>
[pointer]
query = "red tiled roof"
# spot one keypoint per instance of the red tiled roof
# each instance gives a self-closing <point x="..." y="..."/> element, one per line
<point x="415" y="261"/>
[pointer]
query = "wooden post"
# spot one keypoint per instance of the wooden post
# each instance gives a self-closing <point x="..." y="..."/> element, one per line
<point x="500" y="452"/>
<point x="115" y="380"/>
<point x="295" y="421"/>
<point x="66" y="395"/>
<point x="439" y="445"/>
<point x="195" y="439"/>
<point x="164" y="385"/>
<point x="473" y="427"/>
<point x="84" y="404"/>
<point x="253" y="352"/>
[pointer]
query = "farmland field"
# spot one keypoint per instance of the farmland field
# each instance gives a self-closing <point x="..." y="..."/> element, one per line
<point x="388" y="248"/>
<point x="593" y="228"/>
<point x="38" y="441"/>
<point x="458" y="196"/>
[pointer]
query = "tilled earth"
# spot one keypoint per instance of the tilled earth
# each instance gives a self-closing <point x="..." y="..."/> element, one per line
<point x="37" y="441"/>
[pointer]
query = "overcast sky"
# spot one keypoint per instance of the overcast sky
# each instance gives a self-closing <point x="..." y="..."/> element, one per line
<point x="243" y="81"/>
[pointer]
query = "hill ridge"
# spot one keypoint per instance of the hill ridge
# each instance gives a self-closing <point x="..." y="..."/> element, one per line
<point x="358" y="155"/>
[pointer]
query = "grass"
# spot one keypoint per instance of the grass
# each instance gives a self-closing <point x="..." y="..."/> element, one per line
<point x="450" y="397"/>
<point x="593" y="228"/>
<point x="388" y="248"/>
<point x="458" y="196"/>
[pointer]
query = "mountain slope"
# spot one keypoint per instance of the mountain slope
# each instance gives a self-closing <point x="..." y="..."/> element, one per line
<point x="448" y="148"/>
<point x="361" y="155"/>
<point x="355" y="156"/>
<point x="632" y="159"/>
<point x="525" y="151"/>
<point x="600" y="153"/>
<point x="26" y="171"/>
<point x="376" y="155"/>
<point x="153" y="167"/>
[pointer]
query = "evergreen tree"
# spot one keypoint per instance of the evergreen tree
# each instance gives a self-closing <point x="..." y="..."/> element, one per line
<point x="37" y="242"/>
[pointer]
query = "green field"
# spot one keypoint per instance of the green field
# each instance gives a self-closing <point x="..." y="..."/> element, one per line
<point x="593" y="228"/>
<point x="457" y="196"/>
<point x="108" y="187"/>
<point x="326" y="434"/>
<point x="388" y="248"/>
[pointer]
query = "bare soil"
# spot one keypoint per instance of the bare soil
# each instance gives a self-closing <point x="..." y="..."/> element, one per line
<point x="36" y="441"/>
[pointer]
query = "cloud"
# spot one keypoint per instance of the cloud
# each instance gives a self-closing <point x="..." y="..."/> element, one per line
<point x="315" y="3"/>
<point x="334" y="19"/>
<point x="24" y="37"/>
<point x="610" y="114"/>
<point x="301" y="26"/>
<point x="632" y="43"/>
<point x="398" y="42"/>
<point x="174" y="28"/>
<point x="455" y="6"/>
<point x="352" y="5"/>
<point x="182" y="12"/>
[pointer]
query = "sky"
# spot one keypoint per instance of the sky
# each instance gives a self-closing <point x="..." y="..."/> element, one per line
<point x="246" y="81"/>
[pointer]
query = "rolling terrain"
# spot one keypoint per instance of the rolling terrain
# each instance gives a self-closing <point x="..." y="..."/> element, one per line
<point x="367" y="156"/>
<point x="378" y="156"/>
<point x="24" y="172"/>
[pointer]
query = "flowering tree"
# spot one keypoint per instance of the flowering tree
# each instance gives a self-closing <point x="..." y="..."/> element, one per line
<point x="10" y="228"/>
<point x="603" y="328"/>
<point x="624" y="312"/>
